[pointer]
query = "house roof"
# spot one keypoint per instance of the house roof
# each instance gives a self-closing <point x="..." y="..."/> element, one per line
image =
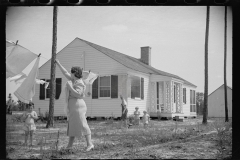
<point x="133" y="63"/>
<point x="218" y="88"/>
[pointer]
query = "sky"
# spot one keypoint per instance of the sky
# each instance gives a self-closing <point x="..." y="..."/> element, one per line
<point x="176" y="35"/>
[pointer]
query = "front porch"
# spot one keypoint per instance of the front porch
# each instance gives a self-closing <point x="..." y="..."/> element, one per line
<point x="166" y="99"/>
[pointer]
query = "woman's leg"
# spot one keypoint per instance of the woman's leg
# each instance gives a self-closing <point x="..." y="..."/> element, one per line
<point x="89" y="140"/>
<point x="70" y="142"/>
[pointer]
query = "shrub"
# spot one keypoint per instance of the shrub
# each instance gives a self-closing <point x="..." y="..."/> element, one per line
<point x="46" y="115"/>
<point x="15" y="107"/>
<point x="131" y="118"/>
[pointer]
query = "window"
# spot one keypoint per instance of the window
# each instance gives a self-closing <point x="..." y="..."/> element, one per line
<point x="184" y="96"/>
<point x="137" y="87"/>
<point x="192" y="101"/>
<point x="105" y="86"/>
<point x="45" y="92"/>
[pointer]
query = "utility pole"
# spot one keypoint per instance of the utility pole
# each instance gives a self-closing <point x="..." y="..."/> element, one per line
<point x="50" y="122"/>
<point x="205" y="106"/>
<point x="225" y="66"/>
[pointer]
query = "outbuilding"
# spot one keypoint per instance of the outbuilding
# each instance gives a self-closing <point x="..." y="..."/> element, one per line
<point x="216" y="102"/>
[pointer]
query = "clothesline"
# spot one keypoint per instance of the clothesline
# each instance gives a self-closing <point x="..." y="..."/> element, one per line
<point x="43" y="57"/>
<point x="61" y="84"/>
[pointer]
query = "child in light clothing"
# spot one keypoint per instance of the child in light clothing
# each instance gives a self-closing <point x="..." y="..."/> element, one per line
<point x="124" y="112"/>
<point x="145" y="119"/>
<point x="136" y="116"/>
<point x="29" y="125"/>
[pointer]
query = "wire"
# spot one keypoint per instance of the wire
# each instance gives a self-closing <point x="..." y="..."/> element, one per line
<point x="44" y="57"/>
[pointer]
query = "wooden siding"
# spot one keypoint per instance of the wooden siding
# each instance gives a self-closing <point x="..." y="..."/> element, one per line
<point x="75" y="54"/>
<point x="142" y="104"/>
<point x="216" y="104"/>
<point x="186" y="107"/>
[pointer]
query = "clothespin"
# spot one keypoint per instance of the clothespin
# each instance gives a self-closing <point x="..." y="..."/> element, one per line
<point x="39" y="54"/>
<point x="16" y="42"/>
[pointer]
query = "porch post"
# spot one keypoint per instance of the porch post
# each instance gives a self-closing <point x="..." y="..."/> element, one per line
<point x="171" y="97"/>
<point x="168" y="97"/>
<point x="181" y="99"/>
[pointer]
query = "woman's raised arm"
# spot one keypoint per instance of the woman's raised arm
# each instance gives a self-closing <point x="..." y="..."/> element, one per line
<point x="64" y="71"/>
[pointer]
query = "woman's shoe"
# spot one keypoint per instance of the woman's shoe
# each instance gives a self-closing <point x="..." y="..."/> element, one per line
<point x="89" y="148"/>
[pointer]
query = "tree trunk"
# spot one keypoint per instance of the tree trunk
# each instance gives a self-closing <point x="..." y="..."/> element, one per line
<point x="225" y="66"/>
<point x="50" y="122"/>
<point x="205" y="107"/>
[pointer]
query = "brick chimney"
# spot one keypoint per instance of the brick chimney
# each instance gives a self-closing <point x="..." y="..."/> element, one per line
<point x="146" y="55"/>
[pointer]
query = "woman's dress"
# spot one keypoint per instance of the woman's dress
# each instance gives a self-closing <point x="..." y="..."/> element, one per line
<point x="77" y="123"/>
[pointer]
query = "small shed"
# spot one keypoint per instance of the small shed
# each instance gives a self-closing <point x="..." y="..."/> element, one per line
<point x="216" y="102"/>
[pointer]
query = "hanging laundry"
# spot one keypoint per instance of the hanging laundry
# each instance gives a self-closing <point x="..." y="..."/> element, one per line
<point x="9" y="46"/>
<point x="17" y="77"/>
<point x="18" y="80"/>
<point x="85" y="74"/>
<point x="89" y="77"/>
<point x="27" y="90"/>
<point x="46" y="85"/>
<point x="38" y="81"/>
<point x="17" y="59"/>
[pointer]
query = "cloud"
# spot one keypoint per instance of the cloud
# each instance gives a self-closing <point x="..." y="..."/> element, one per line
<point x="115" y="28"/>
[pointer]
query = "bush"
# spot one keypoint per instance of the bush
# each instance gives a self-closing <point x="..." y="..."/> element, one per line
<point x="131" y="118"/>
<point x="15" y="108"/>
<point x="46" y="115"/>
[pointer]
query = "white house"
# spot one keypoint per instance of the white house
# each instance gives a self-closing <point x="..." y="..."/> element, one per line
<point x="140" y="84"/>
<point x="216" y="102"/>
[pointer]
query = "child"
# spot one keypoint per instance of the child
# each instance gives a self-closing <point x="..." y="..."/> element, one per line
<point x="124" y="111"/>
<point x="29" y="125"/>
<point x="146" y="119"/>
<point x="136" y="116"/>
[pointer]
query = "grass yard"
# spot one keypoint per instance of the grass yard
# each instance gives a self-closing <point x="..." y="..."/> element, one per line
<point x="166" y="139"/>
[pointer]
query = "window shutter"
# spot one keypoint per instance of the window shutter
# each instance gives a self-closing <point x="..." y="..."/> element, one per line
<point x="129" y="86"/>
<point x="194" y="97"/>
<point x="191" y="96"/>
<point x="42" y="91"/>
<point x="58" y="87"/>
<point x="142" y="88"/>
<point x="95" y="89"/>
<point x="185" y="95"/>
<point x="131" y="90"/>
<point x="114" y="86"/>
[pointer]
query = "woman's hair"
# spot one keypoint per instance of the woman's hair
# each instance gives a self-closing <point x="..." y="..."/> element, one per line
<point x="77" y="71"/>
